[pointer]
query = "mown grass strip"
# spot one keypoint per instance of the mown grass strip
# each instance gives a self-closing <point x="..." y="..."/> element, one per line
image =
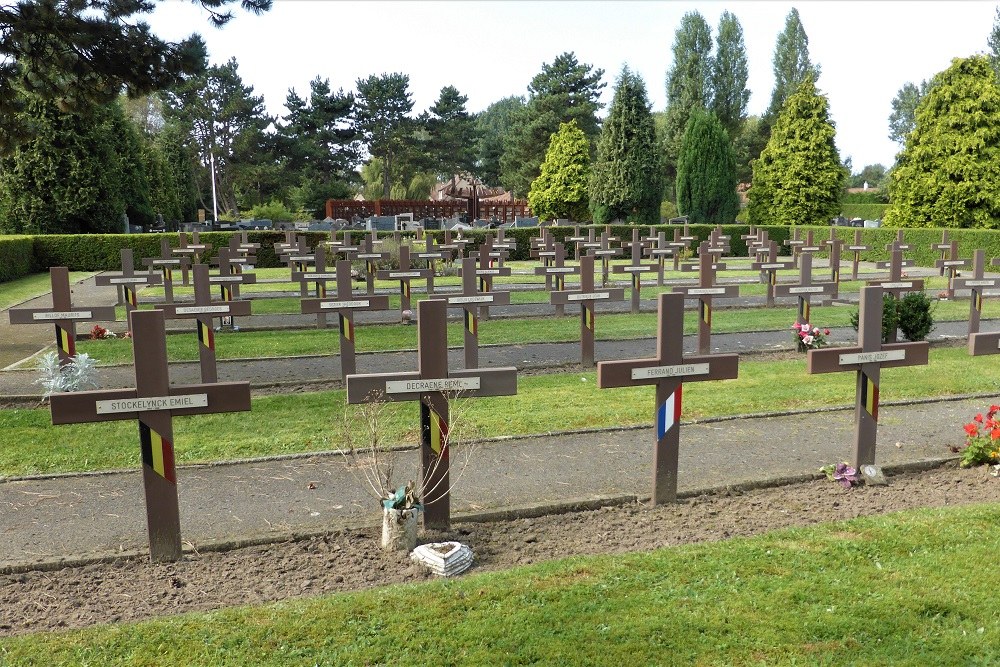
<point x="902" y="589"/>
<point x="310" y="422"/>
<point x="22" y="289"/>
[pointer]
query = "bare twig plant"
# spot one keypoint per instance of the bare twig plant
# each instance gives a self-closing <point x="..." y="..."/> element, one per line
<point x="370" y="459"/>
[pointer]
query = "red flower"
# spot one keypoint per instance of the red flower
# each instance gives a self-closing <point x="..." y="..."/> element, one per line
<point x="826" y="332"/>
<point x="995" y="434"/>
<point x="972" y="429"/>
<point x="979" y="418"/>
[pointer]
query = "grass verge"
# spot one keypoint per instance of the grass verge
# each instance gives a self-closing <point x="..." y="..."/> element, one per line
<point x="22" y="289"/>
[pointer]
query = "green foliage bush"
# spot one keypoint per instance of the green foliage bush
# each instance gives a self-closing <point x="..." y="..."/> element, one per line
<point x="890" y="317"/>
<point x="915" y="318"/>
<point x="16" y="257"/>
<point x="863" y="211"/>
<point x="868" y="197"/>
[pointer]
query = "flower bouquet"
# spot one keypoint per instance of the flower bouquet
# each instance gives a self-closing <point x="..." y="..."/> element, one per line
<point x="982" y="439"/>
<point x="808" y="337"/>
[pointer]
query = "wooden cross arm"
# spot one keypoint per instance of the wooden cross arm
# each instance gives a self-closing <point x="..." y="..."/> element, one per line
<point x="951" y="263"/>
<point x="119" y="279"/>
<point x="633" y="268"/>
<point x="120" y="404"/>
<point x="770" y="266"/>
<point x="48" y="316"/>
<point x="575" y="296"/>
<point x="634" y="372"/>
<point x="167" y="263"/>
<point x="984" y="343"/>
<point x="332" y="304"/>
<point x="399" y="274"/>
<point x="180" y="311"/>
<point x="695" y="291"/>
<point x="501" y="298"/>
<point x="555" y="270"/>
<point x="236" y="279"/>
<point x="785" y="289"/>
<point x="968" y="283"/>
<point x="690" y="267"/>
<point x="902" y="283"/>
<point x="891" y="355"/>
<point x="469" y="382"/>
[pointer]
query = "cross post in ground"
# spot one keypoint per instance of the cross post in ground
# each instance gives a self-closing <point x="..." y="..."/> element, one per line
<point x="705" y="290"/>
<point x="319" y="277"/>
<point x="944" y="248"/>
<point x="166" y="263"/>
<point x="605" y="252"/>
<point x="867" y="360"/>
<point x="404" y="275"/>
<point x="805" y="288"/>
<point x="543" y="247"/>
<point x="659" y="251"/>
<point x="431" y="254"/>
<point x="486" y="271"/>
<point x="63" y="314"/>
<point x="371" y="257"/>
<point x="951" y="263"/>
<point x="432" y="385"/>
<point x="127" y="280"/>
<point x="977" y="283"/>
<point x="298" y="259"/>
<point x="793" y="244"/>
<point x="769" y="266"/>
<point x="154" y="402"/>
<point x="857" y="248"/>
<point x="636" y="268"/>
<point x="835" y="244"/>
<point x="678" y="245"/>
<point x="587" y="297"/>
<point x="204" y="311"/>
<point x="470" y="300"/>
<point x="345" y="303"/>
<point x="668" y="371"/>
<point x="558" y="272"/>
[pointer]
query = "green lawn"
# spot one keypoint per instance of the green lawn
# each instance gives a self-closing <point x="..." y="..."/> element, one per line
<point x="911" y="588"/>
<point x="22" y="289"/>
<point x="309" y="422"/>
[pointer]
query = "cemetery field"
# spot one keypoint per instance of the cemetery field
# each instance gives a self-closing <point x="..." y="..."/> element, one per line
<point x="497" y="331"/>
<point x="909" y="588"/>
<point x="313" y="422"/>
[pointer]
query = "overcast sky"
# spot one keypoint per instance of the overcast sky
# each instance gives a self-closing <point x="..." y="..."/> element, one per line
<point x="490" y="50"/>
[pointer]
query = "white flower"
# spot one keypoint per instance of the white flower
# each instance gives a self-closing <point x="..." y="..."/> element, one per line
<point x="808" y="340"/>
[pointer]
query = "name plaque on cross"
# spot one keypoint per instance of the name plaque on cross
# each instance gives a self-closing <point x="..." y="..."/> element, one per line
<point x="195" y="310"/>
<point x="637" y="269"/>
<point x="148" y="403"/>
<point x="669" y="371"/>
<point x="337" y="305"/>
<point x="225" y="279"/>
<point x="63" y="315"/>
<point x="900" y="285"/>
<point x="858" y="248"/>
<point x="433" y="384"/>
<point x="127" y="281"/>
<point x="805" y="290"/>
<point x="705" y="290"/>
<point x="484" y="298"/>
<point x="776" y="265"/>
<point x="165" y="262"/>
<point x="369" y="255"/>
<point x="404" y="274"/>
<point x="980" y="283"/>
<point x="560" y="269"/>
<point x="871" y="357"/>
<point x="588" y="296"/>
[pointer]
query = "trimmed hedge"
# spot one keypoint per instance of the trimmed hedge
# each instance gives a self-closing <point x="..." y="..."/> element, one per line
<point x="17" y="257"/>
<point x="863" y="211"/>
<point x="23" y="255"/>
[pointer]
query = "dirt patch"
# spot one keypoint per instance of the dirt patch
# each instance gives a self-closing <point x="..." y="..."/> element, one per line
<point x="133" y="589"/>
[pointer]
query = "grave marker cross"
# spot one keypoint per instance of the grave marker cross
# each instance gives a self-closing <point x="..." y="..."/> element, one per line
<point x="153" y="403"/>
<point x="470" y="299"/>
<point x="636" y="268"/>
<point x="857" y="248"/>
<point x="835" y="243"/>
<point x="605" y="252"/>
<point x="660" y="250"/>
<point x="128" y="281"/>
<point x="558" y="271"/>
<point x="770" y="266"/>
<point x="978" y="343"/>
<point x="298" y="258"/>
<point x="668" y="371"/>
<point x="319" y="277"/>
<point x="167" y="263"/>
<point x="587" y="297"/>
<point x="62" y="314"/>
<point x="344" y="304"/>
<point x="805" y="288"/>
<point x="431" y="254"/>
<point x="896" y="284"/>
<point x="431" y="385"/>
<point x="404" y="275"/>
<point x="867" y="359"/>
<point x="951" y="263"/>
<point x="371" y="258"/>
<point x="192" y="250"/>
<point x="705" y="290"/>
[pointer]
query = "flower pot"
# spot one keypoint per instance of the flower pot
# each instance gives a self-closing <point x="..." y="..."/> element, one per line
<point x="399" y="529"/>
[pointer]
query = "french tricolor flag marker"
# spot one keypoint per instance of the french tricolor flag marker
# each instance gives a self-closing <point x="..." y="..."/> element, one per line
<point x="669" y="414"/>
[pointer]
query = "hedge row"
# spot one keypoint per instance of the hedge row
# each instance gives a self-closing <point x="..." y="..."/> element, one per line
<point x="863" y="211"/>
<point x="20" y="256"/>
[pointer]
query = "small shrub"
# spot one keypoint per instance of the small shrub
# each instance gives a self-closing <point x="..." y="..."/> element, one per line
<point x="914" y="314"/>
<point x="890" y="317"/>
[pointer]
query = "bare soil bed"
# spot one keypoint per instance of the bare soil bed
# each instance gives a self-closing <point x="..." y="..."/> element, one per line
<point x="133" y="589"/>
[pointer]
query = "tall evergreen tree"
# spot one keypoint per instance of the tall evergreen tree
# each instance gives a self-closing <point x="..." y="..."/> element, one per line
<point x="948" y="174"/>
<point x="689" y="82"/>
<point x="492" y="127"/>
<point x="564" y="90"/>
<point x="791" y="64"/>
<point x="180" y="163"/>
<point x="706" y="172"/>
<point x="383" y="122"/>
<point x="560" y="191"/>
<point x="798" y="179"/>
<point x="452" y="142"/>
<point x="627" y="177"/>
<point x="132" y="176"/>
<point x="730" y="73"/>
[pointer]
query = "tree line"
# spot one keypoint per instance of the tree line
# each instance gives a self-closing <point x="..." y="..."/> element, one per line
<point x="99" y="119"/>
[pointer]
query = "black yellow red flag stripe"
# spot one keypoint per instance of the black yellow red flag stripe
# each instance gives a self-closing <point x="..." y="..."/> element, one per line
<point x="65" y="341"/>
<point x="439" y="435"/>
<point x="205" y="335"/>
<point x="346" y="328"/>
<point x="588" y="316"/>
<point x="471" y="323"/>
<point x="157" y="453"/>
<point x="706" y="312"/>
<point x="869" y="395"/>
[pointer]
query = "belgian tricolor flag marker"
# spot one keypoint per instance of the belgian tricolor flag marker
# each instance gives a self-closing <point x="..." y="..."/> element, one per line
<point x="869" y="395"/>
<point x="205" y="335"/>
<point x="157" y="453"/>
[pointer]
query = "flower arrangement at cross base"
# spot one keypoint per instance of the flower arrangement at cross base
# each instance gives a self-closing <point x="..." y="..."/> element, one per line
<point x="808" y="337"/>
<point x="842" y="473"/>
<point x="982" y="439"/>
<point x="100" y="333"/>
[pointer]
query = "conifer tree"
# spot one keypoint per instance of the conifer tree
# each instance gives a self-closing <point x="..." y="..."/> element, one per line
<point x="706" y="172"/>
<point x="730" y="73"/>
<point x="627" y="178"/>
<point x="948" y="173"/>
<point x="560" y="191"/>
<point x="799" y="178"/>
<point x="689" y="82"/>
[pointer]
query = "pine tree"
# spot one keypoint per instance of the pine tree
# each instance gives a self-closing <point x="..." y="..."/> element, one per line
<point x="706" y="172"/>
<point x="689" y="82"/>
<point x="798" y="179"/>
<point x="627" y="180"/>
<point x="791" y="64"/>
<point x="560" y="191"/>
<point x="948" y="174"/>
<point x="730" y="73"/>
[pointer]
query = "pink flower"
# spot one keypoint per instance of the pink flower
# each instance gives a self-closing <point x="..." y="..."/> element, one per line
<point x="826" y="332"/>
<point x="808" y="340"/>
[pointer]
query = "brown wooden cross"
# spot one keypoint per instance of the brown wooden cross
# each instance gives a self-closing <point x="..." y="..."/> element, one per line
<point x="454" y="246"/>
<point x="718" y="242"/>
<point x="343" y="247"/>
<point x="659" y="250"/>
<point x="750" y="236"/>
<point x="867" y="359"/>
<point x="318" y="277"/>
<point x="345" y="303"/>
<point x="944" y="248"/>
<point x="705" y="290"/>
<point x="835" y="244"/>
<point x="678" y="245"/>
<point x="793" y="244"/>
<point x="128" y="281"/>
<point x="404" y="275"/>
<point x="977" y="283"/>
<point x="166" y="263"/>
<point x="896" y="284"/>
<point x="204" y="311"/>
<point x="857" y="248"/>
<point x="770" y="267"/>
<point x="577" y="239"/>
<point x="898" y="243"/>
<point x="636" y="268"/>
<point x="487" y="271"/>
<point x="283" y="247"/>
<point x="502" y="243"/>
<point x="431" y="254"/>
<point x="558" y="272"/>
<point x="761" y="247"/>
<point x="432" y="384"/>
<point x="299" y="259"/>
<point x="668" y="370"/>
<point x="371" y="258"/>
<point x="951" y="263"/>
<point x="471" y="299"/>
<point x="153" y="403"/>
<point x="805" y="289"/>
<point x="241" y="245"/>
<point x="231" y="274"/>
<point x="587" y="297"/>
<point x="543" y="247"/>
<point x="192" y="250"/>
<point x="605" y="252"/>
<point x="63" y="314"/>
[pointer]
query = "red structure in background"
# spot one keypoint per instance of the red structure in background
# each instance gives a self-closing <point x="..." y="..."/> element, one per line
<point x="505" y="211"/>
